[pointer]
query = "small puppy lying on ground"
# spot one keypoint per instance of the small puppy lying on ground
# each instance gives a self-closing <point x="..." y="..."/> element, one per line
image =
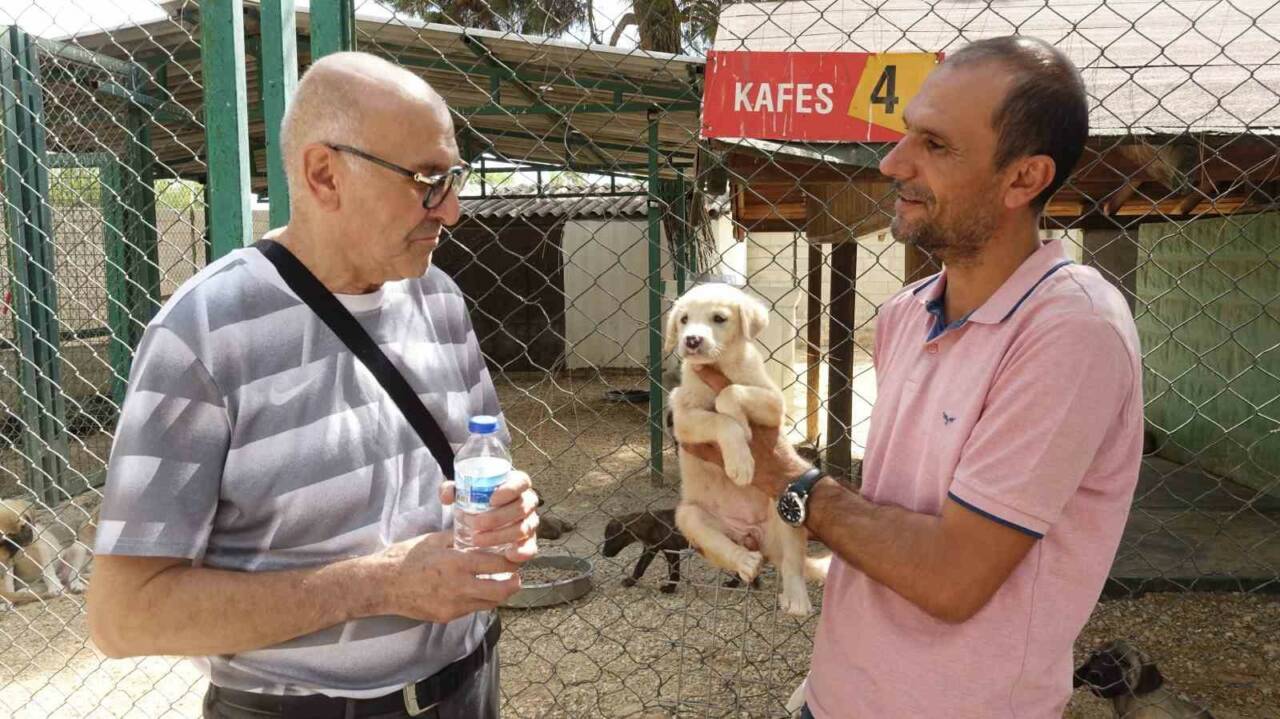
<point x="656" y="531"/>
<point x="1128" y="677"/>
<point x="720" y="513"/>
<point x="30" y="553"/>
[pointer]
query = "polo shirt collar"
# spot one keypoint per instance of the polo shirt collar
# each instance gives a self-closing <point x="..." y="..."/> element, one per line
<point x="1015" y="290"/>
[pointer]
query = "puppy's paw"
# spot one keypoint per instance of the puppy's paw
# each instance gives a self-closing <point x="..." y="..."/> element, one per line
<point x="740" y="467"/>
<point x="78" y="586"/>
<point x="727" y="404"/>
<point x="668" y="588"/>
<point x="795" y="603"/>
<point x="628" y="581"/>
<point x="749" y="565"/>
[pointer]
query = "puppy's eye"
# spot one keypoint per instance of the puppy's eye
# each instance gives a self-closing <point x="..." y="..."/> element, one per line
<point x="684" y="320"/>
<point x="719" y="319"/>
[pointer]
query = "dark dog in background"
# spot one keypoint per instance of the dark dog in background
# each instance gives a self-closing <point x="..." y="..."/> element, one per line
<point x="656" y="531"/>
<point x="1125" y="675"/>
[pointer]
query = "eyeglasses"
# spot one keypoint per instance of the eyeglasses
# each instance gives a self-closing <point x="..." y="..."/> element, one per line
<point x="437" y="186"/>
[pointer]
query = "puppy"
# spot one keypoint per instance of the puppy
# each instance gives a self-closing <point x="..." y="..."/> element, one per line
<point x="1128" y="677"/>
<point x="656" y="532"/>
<point x="29" y="553"/>
<point x="74" y="568"/>
<point x="733" y="524"/>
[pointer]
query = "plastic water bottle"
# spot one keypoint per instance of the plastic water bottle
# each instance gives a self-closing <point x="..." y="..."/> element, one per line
<point x="479" y="468"/>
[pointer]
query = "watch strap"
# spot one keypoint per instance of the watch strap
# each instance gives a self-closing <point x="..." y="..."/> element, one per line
<point x="803" y="484"/>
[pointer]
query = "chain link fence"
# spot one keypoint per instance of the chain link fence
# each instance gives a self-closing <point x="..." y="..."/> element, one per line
<point x="600" y="197"/>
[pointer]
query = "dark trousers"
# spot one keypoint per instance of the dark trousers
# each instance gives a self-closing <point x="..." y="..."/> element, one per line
<point x="477" y="698"/>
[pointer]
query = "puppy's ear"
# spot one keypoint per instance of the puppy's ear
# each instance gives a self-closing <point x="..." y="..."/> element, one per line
<point x="753" y="316"/>
<point x="612" y="529"/>
<point x="26" y="535"/>
<point x="672" y="333"/>
<point x="1149" y="680"/>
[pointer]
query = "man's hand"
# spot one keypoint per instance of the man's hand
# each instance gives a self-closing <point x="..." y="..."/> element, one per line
<point x="432" y="581"/>
<point x="512" y="519"/>
<point x="428" y="579"/>
<point x="777" y="462"/>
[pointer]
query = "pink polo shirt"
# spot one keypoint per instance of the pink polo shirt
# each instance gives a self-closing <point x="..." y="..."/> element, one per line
<point x="1029" y="412"/>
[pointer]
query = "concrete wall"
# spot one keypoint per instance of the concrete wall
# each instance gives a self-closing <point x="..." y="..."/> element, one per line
<point x="606" y="264"/>
<point x="1209" y="321"/>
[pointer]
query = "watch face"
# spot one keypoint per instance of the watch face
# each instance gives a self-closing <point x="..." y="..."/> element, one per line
<point x="791" y="509"/>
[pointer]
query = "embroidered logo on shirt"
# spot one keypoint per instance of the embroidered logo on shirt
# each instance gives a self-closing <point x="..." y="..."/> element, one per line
<point x="947" y="419"/>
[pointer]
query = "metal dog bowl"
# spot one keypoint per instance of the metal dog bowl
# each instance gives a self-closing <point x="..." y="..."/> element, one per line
<point x="630" y="396"/>
<point x="546" y="594"/>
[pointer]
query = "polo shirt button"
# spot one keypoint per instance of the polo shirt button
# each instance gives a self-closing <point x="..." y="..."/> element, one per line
<point x="932" y="349"/>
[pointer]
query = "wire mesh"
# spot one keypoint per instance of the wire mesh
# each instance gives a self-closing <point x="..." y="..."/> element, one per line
<point x="597" y="201"/>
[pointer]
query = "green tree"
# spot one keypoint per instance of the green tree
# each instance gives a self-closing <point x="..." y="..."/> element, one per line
<point x="672" y="26"/>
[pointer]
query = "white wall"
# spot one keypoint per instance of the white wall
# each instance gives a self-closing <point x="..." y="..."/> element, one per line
<point x="606" y="299"/>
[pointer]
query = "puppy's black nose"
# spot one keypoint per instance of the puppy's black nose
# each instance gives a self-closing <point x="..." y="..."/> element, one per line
<point x="692" y="342"/>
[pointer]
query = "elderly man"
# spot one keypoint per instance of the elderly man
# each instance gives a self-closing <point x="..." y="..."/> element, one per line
<point x="269" y="510"/>
<point x="1006" y="434"/>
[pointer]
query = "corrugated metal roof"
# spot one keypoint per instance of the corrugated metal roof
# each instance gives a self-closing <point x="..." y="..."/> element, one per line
<point x="457" y="62"/>
<point x="1151" y="66"/>
<point x="588" y="206"/>
<point x="577" y="206"/>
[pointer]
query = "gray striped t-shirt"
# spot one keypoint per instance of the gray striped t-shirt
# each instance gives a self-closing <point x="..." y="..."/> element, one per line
<point x="251" y="439"/>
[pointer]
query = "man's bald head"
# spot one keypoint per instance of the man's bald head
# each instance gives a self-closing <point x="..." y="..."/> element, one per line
<point x="342" y="97"/>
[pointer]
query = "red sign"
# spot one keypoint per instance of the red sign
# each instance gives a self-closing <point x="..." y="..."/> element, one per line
<point x="811" y="96"/>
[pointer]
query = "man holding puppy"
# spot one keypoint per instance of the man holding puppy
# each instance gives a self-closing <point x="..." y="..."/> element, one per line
<point x="1006" y="436"/>
<point x="269" y="509"/>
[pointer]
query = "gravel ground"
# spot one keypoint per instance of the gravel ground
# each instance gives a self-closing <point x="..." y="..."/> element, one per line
<point x="706" y="650"/>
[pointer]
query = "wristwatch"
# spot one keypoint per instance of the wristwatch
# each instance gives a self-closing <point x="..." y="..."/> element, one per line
<point x="794" y="502"/>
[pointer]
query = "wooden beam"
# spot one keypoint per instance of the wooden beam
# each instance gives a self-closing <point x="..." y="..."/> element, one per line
<point x="813" y="345"/>
<point x="846" y="211"/>
<point x="1118" y="198"/>
<point x="844" y="270"/>
<point x="918" y="264"/>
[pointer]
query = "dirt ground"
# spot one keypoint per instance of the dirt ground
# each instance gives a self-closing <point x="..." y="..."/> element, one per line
<point x="634" y="652"/>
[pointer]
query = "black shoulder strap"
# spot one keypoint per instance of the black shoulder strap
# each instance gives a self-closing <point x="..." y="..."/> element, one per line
<point x="344" y="325"/>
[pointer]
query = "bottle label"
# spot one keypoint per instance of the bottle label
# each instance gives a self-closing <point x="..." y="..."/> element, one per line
<point x="477" y="479"/>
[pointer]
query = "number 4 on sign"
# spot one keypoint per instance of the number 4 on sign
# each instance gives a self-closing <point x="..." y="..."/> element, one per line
<point x="888" y="82"/>
<point x="883" y="92"/>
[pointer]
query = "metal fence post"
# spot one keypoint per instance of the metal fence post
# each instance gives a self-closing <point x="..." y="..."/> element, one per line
<point x="279" y="68"/>
<point x="655" y="307"/>
<point x="226" y="124"/>
<point x="35" y="300"/>
<point x="332" y="27"/>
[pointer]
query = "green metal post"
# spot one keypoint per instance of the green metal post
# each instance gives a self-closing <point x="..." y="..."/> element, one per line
<point x="133" y="258"/>
<point x="115" y="221"/>
<point x="655" y="309"/>
<point x="279" y="79"/>
<point x="226" y="124"/>
<point x="683" y="235"/>
<point x="31" y="255"/>
<point x="333" y="25"/>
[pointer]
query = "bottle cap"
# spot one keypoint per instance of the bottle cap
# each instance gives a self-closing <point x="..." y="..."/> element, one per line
<point x="483" y="424"/>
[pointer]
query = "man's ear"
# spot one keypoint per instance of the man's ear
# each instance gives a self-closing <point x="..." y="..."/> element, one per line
<point x="1027" y="179"/>
<point x="319" y="173"/>
<point x="752" y="316"/>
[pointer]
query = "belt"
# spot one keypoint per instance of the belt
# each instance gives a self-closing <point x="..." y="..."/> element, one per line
<point x="413" y="699"/>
